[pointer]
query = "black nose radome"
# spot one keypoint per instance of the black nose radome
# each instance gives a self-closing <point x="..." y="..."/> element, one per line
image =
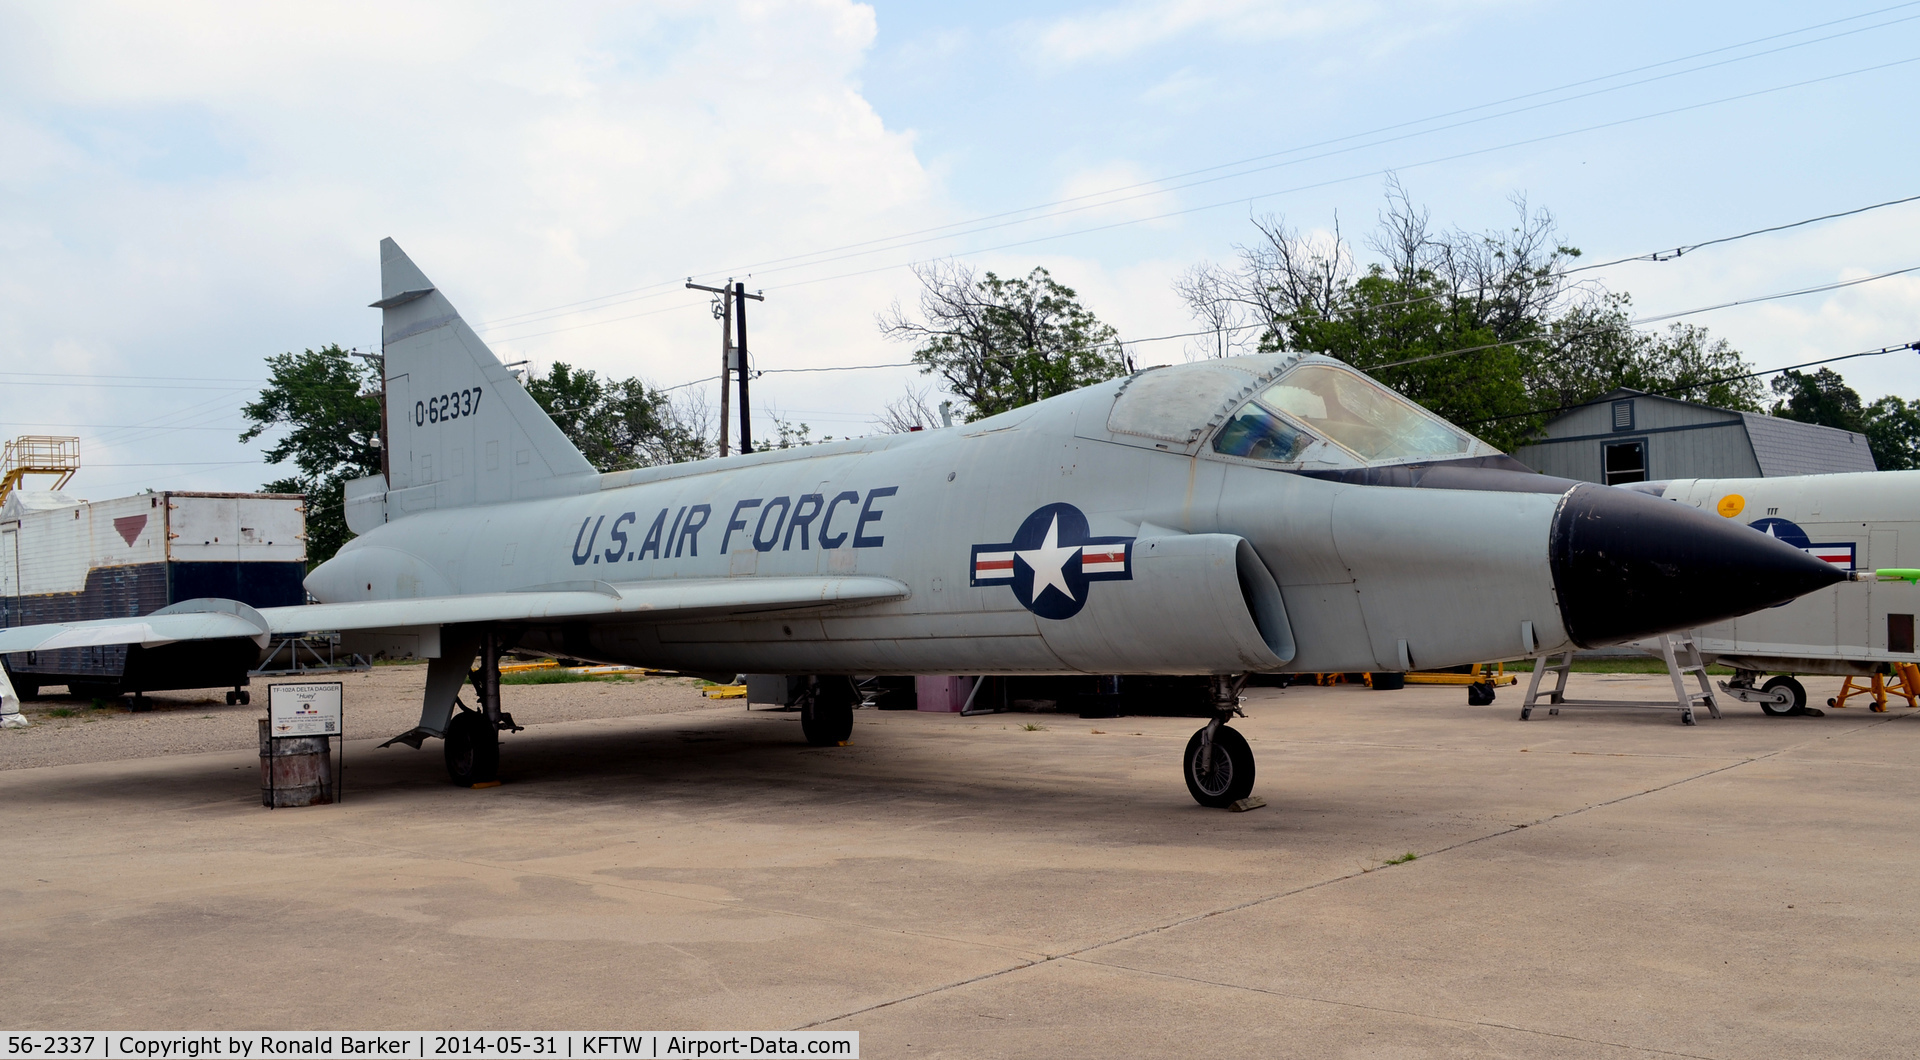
<point x="1626" y="565"/>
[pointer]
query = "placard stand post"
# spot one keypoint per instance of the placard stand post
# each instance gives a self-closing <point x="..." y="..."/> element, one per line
<point x="304" y="712"/>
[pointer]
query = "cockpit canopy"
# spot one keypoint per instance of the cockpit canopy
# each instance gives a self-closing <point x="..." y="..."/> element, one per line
<point x="1298" y="411"/>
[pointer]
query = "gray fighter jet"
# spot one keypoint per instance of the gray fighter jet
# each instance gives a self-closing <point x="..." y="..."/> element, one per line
<point x="1261" y="514"/>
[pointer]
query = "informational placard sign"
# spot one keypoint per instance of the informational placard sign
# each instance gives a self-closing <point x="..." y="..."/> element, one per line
<point x="304" y="710"/>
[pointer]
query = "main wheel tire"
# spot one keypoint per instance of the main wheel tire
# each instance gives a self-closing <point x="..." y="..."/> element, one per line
<point x="1798" y="705"/>
<point x="826" y="713"/>
<point x="1386" y="682"/>
<point x="472" y="749"/>
<point x="1231" y="778"/>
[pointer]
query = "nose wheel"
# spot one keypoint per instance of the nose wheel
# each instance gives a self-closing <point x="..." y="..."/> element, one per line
<point x="1218" y="764"/>
<point x="1219" y="771"/>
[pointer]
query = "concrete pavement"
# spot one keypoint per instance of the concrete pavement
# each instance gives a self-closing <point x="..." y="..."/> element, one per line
<point x="1593" y="884"/>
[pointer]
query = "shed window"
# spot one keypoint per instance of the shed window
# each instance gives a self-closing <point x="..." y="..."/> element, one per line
<point x="1626" y="462"/>
<point x="1623" y="415"/>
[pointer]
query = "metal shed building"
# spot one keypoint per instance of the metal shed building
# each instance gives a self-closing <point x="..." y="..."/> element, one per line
<point x="1629" y="436"/>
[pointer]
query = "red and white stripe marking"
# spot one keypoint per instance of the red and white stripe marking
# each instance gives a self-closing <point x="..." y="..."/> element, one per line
<point x="1839" y="555"/>
<point x="1103" y="559"/>
<point x="993" y="567"/>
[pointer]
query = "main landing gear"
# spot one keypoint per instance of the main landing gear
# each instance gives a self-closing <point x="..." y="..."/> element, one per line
<point x="472" y="749"/>
<point x="1218" y="764"/>
<point x="826" y="710"/>
<point x="473" y="736"/>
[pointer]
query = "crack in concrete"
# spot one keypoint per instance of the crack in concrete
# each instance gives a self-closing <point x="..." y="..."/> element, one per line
<point x="1195" y="918"/>
<point x="1389" y="1010"/>
<point x="595" y="880"/>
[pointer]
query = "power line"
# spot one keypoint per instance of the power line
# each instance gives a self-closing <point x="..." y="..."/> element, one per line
<point x="123" y="375"/>
<point x="185" y="463"/>
<point x="118" y="426"/>
<point x="1122" y="343"/>
<point x="1375" y="172"/>
<point x="1705" y="383"/>
<point x="896" y="245"/>
<point x="521" y="318"/>
<point x="1651" y="319"/>
<point x="1669" y="255"/>
<point x="126" y="386"/>
<point x="1264" y="195"/>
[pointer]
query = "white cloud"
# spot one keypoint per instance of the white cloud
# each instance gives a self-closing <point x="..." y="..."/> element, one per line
<point x="1123" y="30"/>
<point x="188" y="188"/>
<point x="1810" y="327"/>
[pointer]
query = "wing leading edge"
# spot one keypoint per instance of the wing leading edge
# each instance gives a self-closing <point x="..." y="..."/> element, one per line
<point x="653" y="601"/>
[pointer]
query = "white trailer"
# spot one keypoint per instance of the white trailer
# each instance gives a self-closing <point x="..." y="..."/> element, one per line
<point x="64" y="560"/>
<point x="1859" y="522"/>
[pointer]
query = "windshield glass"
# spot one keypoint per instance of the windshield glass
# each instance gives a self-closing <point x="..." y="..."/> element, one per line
<point x="1260" y="435"/>
<point x="1358" y="414"/>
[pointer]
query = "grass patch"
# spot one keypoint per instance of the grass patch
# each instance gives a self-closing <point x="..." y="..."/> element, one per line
<point x="1033" y="726"/>
<point x="63" y="712"/>
<point x="554" y="677"/>
<point x="1404" y="858"/>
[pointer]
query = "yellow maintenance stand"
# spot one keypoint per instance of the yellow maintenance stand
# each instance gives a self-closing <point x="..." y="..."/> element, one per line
<point x="38" y="454"/>
<point x="1903" y="682"/>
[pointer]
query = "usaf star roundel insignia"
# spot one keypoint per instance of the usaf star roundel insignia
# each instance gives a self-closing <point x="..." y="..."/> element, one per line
<point x="1052" y="560"/>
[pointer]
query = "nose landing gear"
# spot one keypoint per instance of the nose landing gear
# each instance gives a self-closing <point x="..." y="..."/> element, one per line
<point x="1218" y="764"/>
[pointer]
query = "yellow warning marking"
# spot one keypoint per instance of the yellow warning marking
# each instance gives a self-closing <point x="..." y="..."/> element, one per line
<point x="488" y="784"/>
<point x="1732" y="504"/>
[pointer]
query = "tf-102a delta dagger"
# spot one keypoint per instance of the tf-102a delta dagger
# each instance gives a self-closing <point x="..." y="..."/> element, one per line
<point x="1260" y="514"/>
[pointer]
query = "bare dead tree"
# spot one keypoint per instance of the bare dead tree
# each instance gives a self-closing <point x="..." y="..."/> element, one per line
<point x="910" y="411"/>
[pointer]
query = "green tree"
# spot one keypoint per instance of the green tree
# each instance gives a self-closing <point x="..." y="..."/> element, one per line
<point x="618" y="424"/>
<point x="329" y="401"/>
<point x="1593" y="349"/>
<point x="1821" y="397"/>
<point x="1893" y="433"/>
<point x="1891" y="424"/>
<point x="1002" y="343"/>
<point x="1484" y="328"/>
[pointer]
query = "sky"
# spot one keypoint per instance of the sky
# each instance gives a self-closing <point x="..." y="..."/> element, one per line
<point x="186" y="189"/>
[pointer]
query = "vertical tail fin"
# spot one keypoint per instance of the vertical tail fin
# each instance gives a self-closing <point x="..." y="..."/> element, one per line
<point x="460" y="429"/>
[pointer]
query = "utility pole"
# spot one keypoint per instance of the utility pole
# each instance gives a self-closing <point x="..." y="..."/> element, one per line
<point x="732" y="302"/>
<point x="746" y="421"/>
<point x="723" y="308"/>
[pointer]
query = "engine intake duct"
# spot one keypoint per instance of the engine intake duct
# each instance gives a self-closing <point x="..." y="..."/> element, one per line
<point x="1196" y="603"/>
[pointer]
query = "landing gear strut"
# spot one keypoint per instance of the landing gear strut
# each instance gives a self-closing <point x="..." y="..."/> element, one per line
<point x="473" y="736"/>
<point x="1218" y="763"/>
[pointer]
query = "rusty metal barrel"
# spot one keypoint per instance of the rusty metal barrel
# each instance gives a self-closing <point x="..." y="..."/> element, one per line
<point x="295" y="771"/>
